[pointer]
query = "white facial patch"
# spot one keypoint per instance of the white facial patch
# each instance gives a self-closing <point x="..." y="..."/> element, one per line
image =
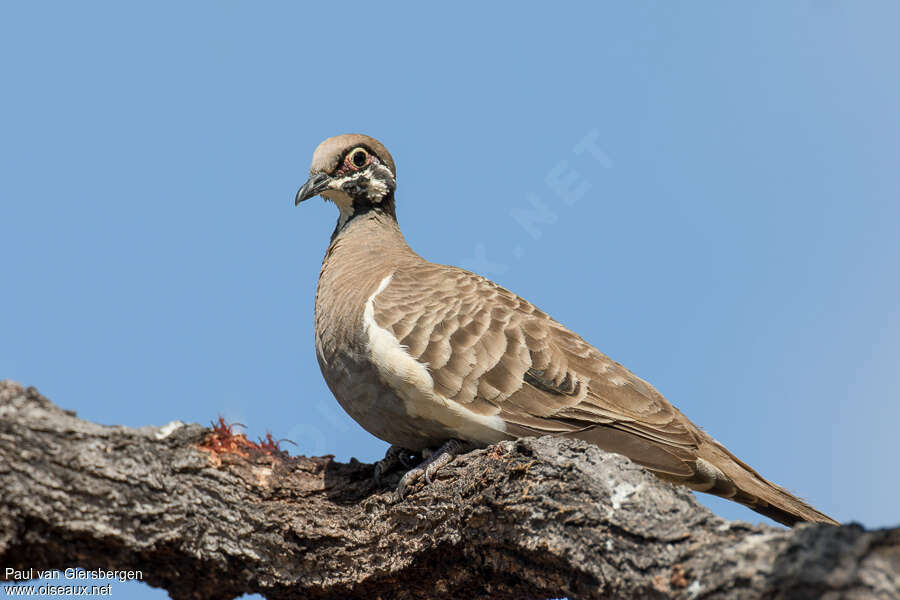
<point x="373" y="181"/>
<point x="375" y="187"/>
<point x="378" y="188"/>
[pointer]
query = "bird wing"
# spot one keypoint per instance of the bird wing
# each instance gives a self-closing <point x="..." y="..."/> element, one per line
<point x="497" y="354"/>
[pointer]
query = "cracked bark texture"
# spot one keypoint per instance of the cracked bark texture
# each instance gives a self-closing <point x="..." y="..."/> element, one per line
<point x="536" y="518"/>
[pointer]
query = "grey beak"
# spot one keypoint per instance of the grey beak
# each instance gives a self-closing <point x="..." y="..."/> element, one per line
<point x="315" y="185"/>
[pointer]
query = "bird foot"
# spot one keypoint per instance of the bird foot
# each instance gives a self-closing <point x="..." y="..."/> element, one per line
<point x="395" y="457"/>
<point x="430" y="466"/>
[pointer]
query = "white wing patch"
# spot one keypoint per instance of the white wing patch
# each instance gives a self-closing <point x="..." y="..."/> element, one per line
<point x="412" y="383"/>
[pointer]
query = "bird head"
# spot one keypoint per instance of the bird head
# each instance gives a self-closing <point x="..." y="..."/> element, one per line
<point x="354" y="171"/>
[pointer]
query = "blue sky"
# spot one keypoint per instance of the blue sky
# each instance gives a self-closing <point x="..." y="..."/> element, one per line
<point x="716" y="186"/>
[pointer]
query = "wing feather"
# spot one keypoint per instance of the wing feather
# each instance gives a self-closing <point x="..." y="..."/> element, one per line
<point x="495" y="353"/>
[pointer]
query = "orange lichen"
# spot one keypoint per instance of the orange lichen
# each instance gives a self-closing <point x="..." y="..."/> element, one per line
<point x="222" y="439"/>
<point x="678" y="580"/>
<point x="270" y="444"/>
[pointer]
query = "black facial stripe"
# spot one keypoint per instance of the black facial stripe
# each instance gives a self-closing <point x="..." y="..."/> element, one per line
<point x="356" y="187"/>
<point x="362" y="206"/>
<point x="383" y="174"/>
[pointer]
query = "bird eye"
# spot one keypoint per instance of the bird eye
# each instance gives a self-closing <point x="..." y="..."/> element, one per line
<point x="359" y="157"/>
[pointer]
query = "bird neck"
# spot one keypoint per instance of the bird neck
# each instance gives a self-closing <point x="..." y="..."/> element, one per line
<point x="370" y="237"/>
<point x="355" y="209"/>
<point x="362" y="253"/>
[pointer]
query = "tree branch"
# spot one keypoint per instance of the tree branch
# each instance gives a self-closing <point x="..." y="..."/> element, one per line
<point x="536" y="518"/>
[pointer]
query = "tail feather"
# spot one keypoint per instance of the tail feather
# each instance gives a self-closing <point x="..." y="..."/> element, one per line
<point x="708" y="467"/>
<point x="721" y="473"/>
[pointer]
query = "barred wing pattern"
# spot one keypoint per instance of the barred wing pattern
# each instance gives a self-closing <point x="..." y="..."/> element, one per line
<point x="498" y="355"/>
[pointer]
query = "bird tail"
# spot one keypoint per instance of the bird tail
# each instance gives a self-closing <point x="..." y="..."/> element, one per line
<point x="721" y="473"/>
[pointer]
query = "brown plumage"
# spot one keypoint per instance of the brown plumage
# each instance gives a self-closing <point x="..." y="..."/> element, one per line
<point x="420" y="353"/>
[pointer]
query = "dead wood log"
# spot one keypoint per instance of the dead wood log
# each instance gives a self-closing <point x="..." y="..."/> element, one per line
<point x="204" y="514"/>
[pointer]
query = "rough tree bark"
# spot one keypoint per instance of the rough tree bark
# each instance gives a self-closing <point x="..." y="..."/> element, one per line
<point x="536" y="518"/>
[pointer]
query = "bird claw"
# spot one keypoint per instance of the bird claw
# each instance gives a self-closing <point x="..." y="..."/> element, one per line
<point x="439" y="461"/>
<point x="434" y="463"/>
<point x="407" y="480"/>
